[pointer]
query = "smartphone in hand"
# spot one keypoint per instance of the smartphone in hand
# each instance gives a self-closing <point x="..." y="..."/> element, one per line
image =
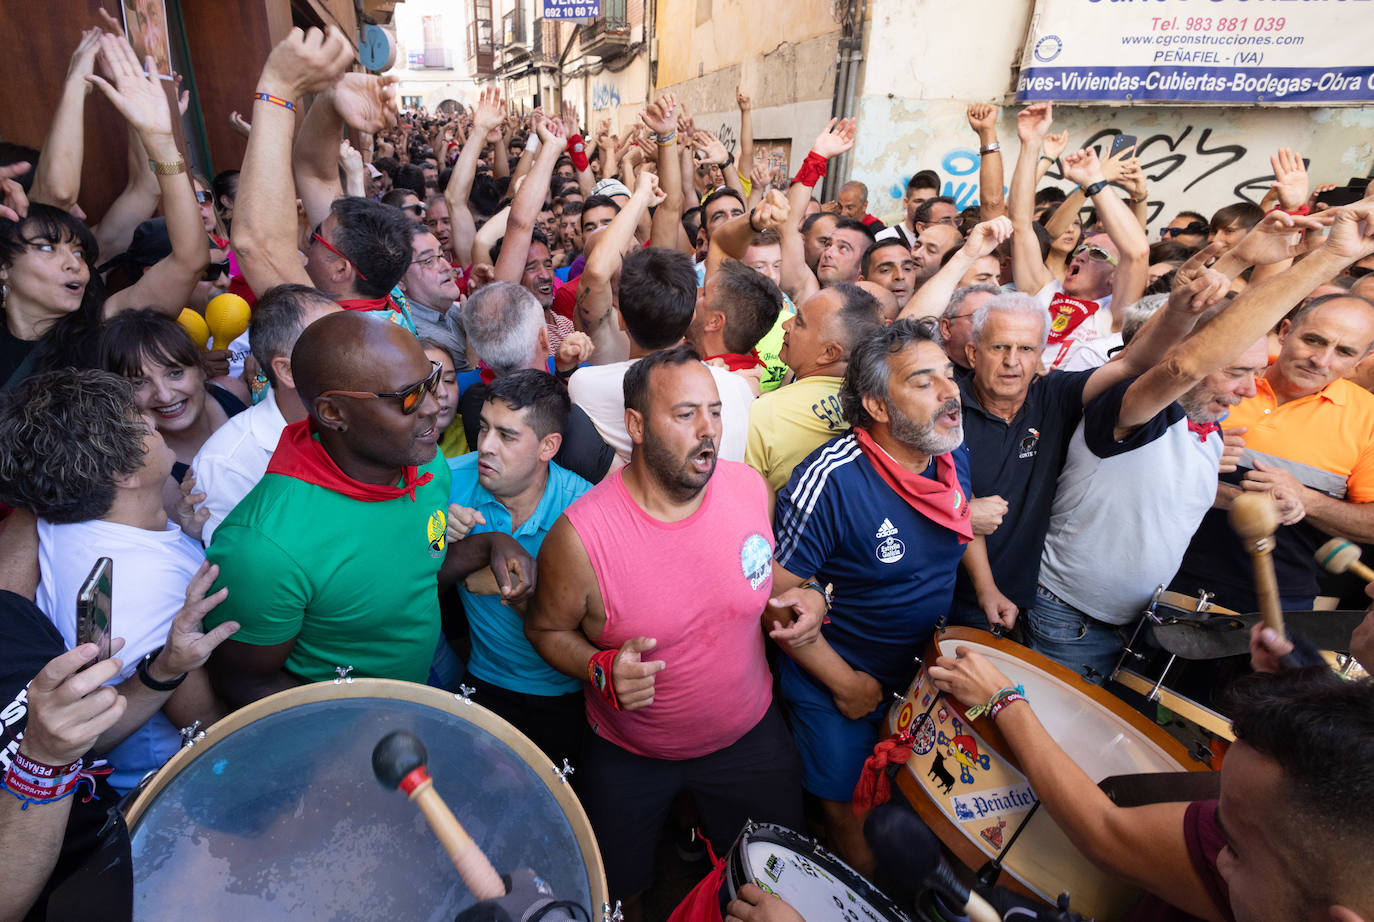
<point x="1122" y="142"/>
<point x="93" y="608"/>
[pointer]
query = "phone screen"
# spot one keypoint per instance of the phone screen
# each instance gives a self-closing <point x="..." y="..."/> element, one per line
<point x="93" y="608"/>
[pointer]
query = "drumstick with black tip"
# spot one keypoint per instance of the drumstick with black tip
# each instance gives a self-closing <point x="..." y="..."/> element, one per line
<point x="1341" y="556"/>
<point x="398" y="760"/>
<point x="1255" y="518"/>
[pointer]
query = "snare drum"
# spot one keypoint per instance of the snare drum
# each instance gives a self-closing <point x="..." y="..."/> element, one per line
<point x="276" y="814"/>
<point x="961" y="782"/>
<point x="810" y="879"/>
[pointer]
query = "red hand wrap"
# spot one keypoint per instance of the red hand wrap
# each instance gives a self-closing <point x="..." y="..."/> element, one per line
<point x="578" y="151"/>
<point x="874" y="787"/>
<point x="812" y="170"/>
<point x="601" y="674"/>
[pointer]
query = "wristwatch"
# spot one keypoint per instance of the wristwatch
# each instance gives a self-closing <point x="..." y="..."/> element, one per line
<point x="1095" y="188"/>
<point x="148" y="680"/>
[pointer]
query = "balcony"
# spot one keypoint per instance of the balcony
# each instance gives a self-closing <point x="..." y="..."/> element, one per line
<point x="608" y="35"/>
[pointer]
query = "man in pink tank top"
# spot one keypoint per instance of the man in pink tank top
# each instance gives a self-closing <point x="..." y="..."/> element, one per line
<point x="654" y="585"/>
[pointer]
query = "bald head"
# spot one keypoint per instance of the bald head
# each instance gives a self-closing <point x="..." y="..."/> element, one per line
<point x="853" y="200"/>
<point x="887" y="301"/>
<point x="350" y="351"/>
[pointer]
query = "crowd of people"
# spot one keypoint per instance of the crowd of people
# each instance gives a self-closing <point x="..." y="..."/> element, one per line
<point x="680" y="467"/>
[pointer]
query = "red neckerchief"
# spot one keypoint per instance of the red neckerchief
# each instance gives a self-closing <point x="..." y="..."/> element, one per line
<point x="1066" y="313"/>
<point x="942" y="501"/>
<point x="484" y="370"/>
<point x="1202" y="429"/>
<point x="736" y="362"/>
<point x="369" y="304"/>
<point x="300" y="455"/>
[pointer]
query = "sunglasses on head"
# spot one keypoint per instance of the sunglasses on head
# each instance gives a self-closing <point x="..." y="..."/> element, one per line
<point x="202" y="196"/>
<point x="1095" y="253"/>
<point x="410" y="398"/>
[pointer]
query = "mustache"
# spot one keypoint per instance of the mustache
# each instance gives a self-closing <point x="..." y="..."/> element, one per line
<point x="951" y="405"/>
<point x="704" y="445"/>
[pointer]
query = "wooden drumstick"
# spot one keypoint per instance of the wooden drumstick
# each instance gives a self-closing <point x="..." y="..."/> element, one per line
<point x="398" y="760"/>
<point x="1340" y="556"/>
<point x="1255" y="518"/>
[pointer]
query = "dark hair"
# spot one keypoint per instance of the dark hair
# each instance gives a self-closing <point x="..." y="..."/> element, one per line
<point x="547" y="400"/>
<point x="924" y="179"/>
<point x="599" y="201"/>
<point x="691" y="223"/>
<point x="536" y="236"/>
<point x="1170" y="251"/>
<point x="636" y="384"/>
<point x="134" y="338"/>
<point x="1320" y="731"/>
<point x="1193" y="217"/>
<point x="866" y="263"/>
<point x="409" y="176"/>
<point x="1245" y="214"/>
<point x="396" y="197"/>
<point x="376" y="239"/>
<point x="64" y="437"/>
<point x="859" y="317"/>
<point x="1050" y="195"/>
<point x="751" y="304"/>
<point x="1042" y="236"/>
<point x="224" y="185"/>
<point x="859" y="227"/>
<point x="388" y="165"/>
<point x="572" y="209"/>
<point x="922" y="215"/>
<point x="768" y="237"/>
<point x="812" y="219"/>
<point x="11" y="153"/>
<point x="722" y="192"/>
<point x="658" y="295"/>
<point x="277" y="321"/>
<point x="73" y="339"/>
<point x="870" y="366"/>
<point x="485" y="197"/>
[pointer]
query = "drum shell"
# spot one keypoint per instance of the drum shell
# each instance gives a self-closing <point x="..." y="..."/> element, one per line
<point x="478" y="761"/>
<point x="964" y="783"/>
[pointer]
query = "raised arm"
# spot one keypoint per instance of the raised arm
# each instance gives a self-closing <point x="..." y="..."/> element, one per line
<point x="1252" y="314"/>
<point x="982" y="118"/>
<point x="746" y="131"/>
<point x="264" y="231"/>
<point x="932" y="297"/>
<point x="524" y="208"/>
<point x="595" y="304"/>
<point x="486" y="117"/>
<point x="1132" y="272"/>
<point x="135" y="204"/>
<point x="1027" y="268"/>
<point x="661" y="119"/>
<point x="364" y="101"/>
<point x="57" y="177"/>
<point x="732" y="238"/>
<point x="577" y="148"/>
<point x="168" y="285"/>
<point x="797" y="278"/>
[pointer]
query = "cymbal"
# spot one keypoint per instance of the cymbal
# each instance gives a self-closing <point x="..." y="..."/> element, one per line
<point x="1229" y="635"/>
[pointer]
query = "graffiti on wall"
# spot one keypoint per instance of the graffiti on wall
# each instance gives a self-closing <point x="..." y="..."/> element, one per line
<point x="728" y="136"/>
<point x="605" y="96"/>
<point x="1184" y="161"/>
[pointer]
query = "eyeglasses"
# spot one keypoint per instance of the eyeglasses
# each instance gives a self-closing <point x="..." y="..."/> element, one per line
<point x="330" y="247"/>
<point x="410" y="398"/>
<point x="428" y="262"/>
<point x="202" y="196"/>
<point x="1095" y="253"/>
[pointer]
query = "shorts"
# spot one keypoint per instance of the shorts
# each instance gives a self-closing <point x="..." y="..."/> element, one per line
<point x="832" y="747"/>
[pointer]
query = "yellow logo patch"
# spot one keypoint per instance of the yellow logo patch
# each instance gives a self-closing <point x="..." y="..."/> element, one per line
<point x="437" y="532"/>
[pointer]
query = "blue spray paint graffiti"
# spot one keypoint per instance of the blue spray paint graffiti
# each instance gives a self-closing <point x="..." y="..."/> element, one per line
<point x="957" y="162"/>
<point x="605" y="96"/>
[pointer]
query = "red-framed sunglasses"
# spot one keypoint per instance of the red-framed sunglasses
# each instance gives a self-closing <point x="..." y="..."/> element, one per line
<point x="410" y="398"/>
<point x="330" y="247"/>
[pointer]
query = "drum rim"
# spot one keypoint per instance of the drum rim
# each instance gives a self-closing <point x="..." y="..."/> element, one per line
<point x="393" y="689"/>
<point x="1171" y="599"/>
<point x="946" y="828"/>
<point x="738" y="859"/>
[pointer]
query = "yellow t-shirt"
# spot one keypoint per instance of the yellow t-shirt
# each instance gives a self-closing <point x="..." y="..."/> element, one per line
<point x="789" y="423"/>
<point x="775" y="370"/>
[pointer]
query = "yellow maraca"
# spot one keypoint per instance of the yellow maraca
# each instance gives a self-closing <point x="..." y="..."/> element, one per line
<point x="227" y="317"/>
<point x="194" y="325"/>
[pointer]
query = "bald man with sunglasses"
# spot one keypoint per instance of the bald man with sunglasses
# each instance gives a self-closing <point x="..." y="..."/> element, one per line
<point x="333" y="561"/>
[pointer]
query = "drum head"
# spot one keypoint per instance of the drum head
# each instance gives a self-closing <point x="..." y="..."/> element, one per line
<point x="813" y="881"/>
<point x="276" y="813"/>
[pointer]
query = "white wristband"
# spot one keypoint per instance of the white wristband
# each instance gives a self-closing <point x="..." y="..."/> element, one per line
<point x="532" y="143"/>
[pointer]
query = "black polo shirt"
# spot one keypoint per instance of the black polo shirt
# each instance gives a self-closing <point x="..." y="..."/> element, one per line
<point x="1020" y="462"/>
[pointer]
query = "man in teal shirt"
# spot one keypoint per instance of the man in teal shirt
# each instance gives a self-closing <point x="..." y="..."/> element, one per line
<point x="511" y="485"/>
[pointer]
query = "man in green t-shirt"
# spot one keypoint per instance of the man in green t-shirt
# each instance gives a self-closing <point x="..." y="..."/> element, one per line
<point x="335" y="558"/>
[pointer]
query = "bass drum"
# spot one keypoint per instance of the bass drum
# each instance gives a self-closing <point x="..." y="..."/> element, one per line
<point x="276" y="814"/>
<point x="962" y="783"/>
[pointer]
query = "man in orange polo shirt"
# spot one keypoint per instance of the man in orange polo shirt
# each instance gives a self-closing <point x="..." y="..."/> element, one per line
<point x="1308" y="431"/>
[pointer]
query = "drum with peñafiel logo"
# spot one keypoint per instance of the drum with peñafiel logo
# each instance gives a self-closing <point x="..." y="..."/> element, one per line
<point x="275" y="812"/>
<point x="962" y="783"/>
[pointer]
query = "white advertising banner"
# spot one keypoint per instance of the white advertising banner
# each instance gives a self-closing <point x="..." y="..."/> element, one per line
<point x="1313" y="52"/>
